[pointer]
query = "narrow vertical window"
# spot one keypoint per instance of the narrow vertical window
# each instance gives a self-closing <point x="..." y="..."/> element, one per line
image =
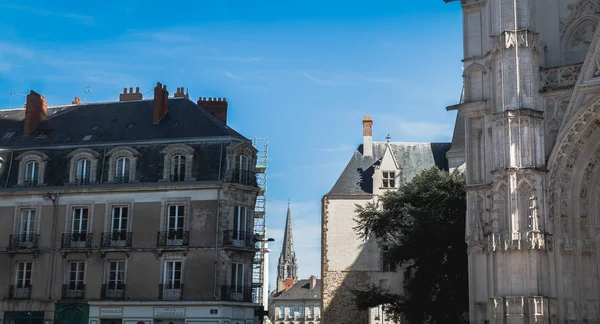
<point x="239" y="223"/>
<point x="122" y="170"/>
<point x="172" y="275"/>
<point x="27" y="226"/>
<point x="237" y="277"/>
<point x="23" y="275"/>
<point x="82" y="177"/>
<point x="175" y="225"/>
<point x="119" y="223"/>
<point x="32" y="170"/>
<point x="79" y="225"/>
<point x="75" y="287"/>
<point x="116" y="275"/>
<point x="178" y="168"/>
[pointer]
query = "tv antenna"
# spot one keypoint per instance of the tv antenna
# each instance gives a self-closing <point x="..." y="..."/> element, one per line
<point x="86" y="90"/>
<point x="12" y="94"/>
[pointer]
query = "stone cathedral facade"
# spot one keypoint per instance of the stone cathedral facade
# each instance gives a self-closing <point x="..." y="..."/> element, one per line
<point x="528" y="128"/>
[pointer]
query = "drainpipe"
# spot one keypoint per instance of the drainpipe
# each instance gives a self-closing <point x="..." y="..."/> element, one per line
<point x="54" y="199"/>
<point x="217" y="225"/>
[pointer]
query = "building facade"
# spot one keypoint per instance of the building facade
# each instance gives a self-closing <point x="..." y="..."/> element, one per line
<point x="136" y="211"/>
<point x="528" y="126"/>
<point x="298" y="304"/>
<point x="348" y="262"/>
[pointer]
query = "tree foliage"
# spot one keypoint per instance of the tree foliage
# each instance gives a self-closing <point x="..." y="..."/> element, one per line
<point x="423" y="224"/>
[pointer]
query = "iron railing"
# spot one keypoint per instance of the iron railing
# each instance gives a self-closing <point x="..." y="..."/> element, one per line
<point x="238" y="239"/>
<point x="170" y="291"/>
<point x="23" y="242"/>
<point x="236" y="293"/>
<point x="113" y="291"/>
<point x="73" y="291"/>
<point x="19" y="292"/>
<point x="116" y="239"/>
<point x="173" y="238"/>
<point x="76" y="240"/>
<point x="30" y="182"/>
<point x="122" y="179"/>
<point x="244" y="177"/>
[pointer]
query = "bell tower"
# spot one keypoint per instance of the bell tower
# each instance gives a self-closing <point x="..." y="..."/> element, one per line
<point x="287" y="268"/>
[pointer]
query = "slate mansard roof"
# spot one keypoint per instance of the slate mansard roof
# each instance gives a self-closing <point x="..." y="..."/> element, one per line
<point x="301" y="290"/>
<point x="357" y="177"/>
<point x="114" y="122"/>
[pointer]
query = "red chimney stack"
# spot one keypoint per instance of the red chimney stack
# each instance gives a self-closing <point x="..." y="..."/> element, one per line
<point x="35" y="111"/>
<point x="161" y="103"/>
<point x="215" y="106"/>
<point x="130" y="96"/>
<point x="76" y="101"/>
<point x="289" y="283"/>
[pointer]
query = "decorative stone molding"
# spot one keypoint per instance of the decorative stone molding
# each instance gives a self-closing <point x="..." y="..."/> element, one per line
<point x="120" y="152"/>
<point x="172" y="151"/>
<point x="32" y="156"/>
<point x="76" y="156"/>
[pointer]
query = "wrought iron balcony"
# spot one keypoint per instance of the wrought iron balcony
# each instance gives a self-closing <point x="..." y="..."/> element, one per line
<point x="173" y="238"/>
<point x="76" y="240"/>
<point x="170" y="291"/>
<point x="23" y="242"/>
<point x="238" y="239"/>
<point x="82" y="181"/>
<point x="244" y="177"/>
<point x="113" y="291"/>
<point x="116" y="239"/>
<point x="122" y="179"/>
<point x="30" y="182"/>
<point x="19" y="292"/>
<point x="236" y="293"/>
<point x="73" y="291"/>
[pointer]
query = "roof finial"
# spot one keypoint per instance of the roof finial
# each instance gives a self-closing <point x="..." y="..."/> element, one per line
<point x="388" y="138"/>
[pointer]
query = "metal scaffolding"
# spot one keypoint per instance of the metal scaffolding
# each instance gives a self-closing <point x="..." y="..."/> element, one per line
<point x="258" y="268"/>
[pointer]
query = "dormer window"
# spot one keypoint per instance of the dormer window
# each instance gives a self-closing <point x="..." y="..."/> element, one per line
<point x="32" y="171"/>
<point x="178" y="163"/>
<point x="388" y="179"/>
<point x="83" y="167"/>
<point x="178" y="168"/>
<point x="122" y="170"/>
<point x="83" y="172"/>
<point x="122" y="165"/>
<point x="31" y="168"/>
<point x="242" y="163"/>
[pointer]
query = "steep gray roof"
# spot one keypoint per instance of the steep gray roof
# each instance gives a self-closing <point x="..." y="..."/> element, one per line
<point x="110" y="122"/>
<point x="301" y="290"/>
<point x="357" y="177"/>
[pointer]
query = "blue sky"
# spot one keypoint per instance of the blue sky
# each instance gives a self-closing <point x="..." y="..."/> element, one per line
<point x="302" y="74"/>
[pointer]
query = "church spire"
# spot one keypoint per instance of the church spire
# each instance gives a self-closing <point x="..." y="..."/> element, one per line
<point x="287" y="268"/>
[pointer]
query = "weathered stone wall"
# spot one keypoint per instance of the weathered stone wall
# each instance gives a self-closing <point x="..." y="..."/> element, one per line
<point x="338" y="301"/>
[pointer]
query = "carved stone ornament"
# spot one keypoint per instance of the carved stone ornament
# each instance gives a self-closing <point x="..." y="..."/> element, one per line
<point x="579" y="10"/>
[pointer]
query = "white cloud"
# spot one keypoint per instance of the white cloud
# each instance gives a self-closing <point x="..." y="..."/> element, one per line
<point x="231" y="76"/>
<point x="306" y="230"/>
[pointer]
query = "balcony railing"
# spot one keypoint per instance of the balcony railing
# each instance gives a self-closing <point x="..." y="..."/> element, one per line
<point x="238" y="239"/>
<point x="122" y="179"/>
<point x="170" y="291"/>
<point x="82" y="181"/>
<point x="113" y="291"/>
<point x="244" y="177"/>
<point x="116" y="239"/>
<point x="76" y="240"/>
<point x="73" y="291"/>
<point x="30" y="182"/>
<point x="173" y="238"/>
<point x="19" y="292"/>
<point x="23" y="242"/>
<point x="236" y="293"/>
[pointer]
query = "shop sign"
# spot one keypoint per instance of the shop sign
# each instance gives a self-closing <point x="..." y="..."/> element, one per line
<point x="111" y="311"/>
<point x="169" y="311"/>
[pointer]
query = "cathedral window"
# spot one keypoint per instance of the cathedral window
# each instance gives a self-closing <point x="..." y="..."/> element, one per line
<point x="389" y="179"/>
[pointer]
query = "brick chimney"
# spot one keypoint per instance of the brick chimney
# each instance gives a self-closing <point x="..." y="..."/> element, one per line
<point x="76" y="101"/>
<point x="289" y="283"/>
<point x="367" y="136"/>
<point x="180" y="93"/>
<point x="130" y="96"/>
<point x="35" y="111"/>
<point x="313" y="282"/>
<point x="161" y="103"/>
<point x="216" y="106"/>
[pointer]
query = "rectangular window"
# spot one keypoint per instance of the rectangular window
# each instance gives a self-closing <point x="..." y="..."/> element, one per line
<point x="389" y="179"/>
<point x="116" y="275"/>
<point x="239" y="223"/>
<point x="27" y="222"/>
<point x="242" y="163"/>
<point x="23" y="275"/>
<point x="76" y="275"/>
<point x="119" y="220"/>
<point x="301" y="311"/>
<point x="176" y="218"/>
<point x="79" y="223"/>
<point x="281" y="311"/>
<point x="237" y="277"/>
<point x="172" y="275"/>
<point x="122" y="170"/>
<point x="291" y="311"/>
<point x="386" y="260"/>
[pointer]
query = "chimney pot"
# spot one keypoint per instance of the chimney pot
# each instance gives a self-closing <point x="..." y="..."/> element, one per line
<point x="129" y="95"/>
<point x="76" y="101"/>
<point x="137" y="89"/>
<point x="313" y="282"/>
<point x="36" y="109"/>
<point x="367" y="136"/>
<point x="216" y="107"/>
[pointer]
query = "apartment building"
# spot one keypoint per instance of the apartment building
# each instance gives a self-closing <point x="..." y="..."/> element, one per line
<point x="134" y="211"/>
<point x="298" y="303"/>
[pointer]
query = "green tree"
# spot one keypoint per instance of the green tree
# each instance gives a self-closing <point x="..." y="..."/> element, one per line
<point x="423" y="224"/>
